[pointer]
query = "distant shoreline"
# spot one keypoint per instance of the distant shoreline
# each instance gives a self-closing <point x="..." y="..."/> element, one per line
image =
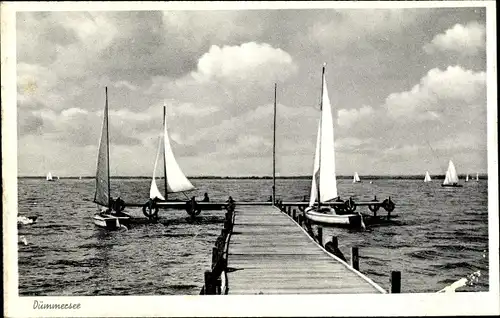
<point x="367" y="177"/>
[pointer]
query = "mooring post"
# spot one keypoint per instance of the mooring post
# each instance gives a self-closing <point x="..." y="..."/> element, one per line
<point x="395" y="282"/>
<point x="215" y="256"/>
<point x="320" y="235"/>
<point x="209" y="286"/>
<point x="355" y="257"/>
<point x="300" y="219"/>
<point x="294" y="215"/>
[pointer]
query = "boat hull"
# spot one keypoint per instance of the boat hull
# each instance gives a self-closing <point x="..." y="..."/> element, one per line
<point x="111" y="222"/>
<point x="452" y="185"/>
<point x="331" y="218"/>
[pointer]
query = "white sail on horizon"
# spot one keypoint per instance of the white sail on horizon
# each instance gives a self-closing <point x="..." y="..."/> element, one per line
<point x="427" y="177"/>
<point x="49" y="176"/>
<point x="176" y="180"/>
<point x="324" y="159"/>
<point x="356" y="178"/>
<point x="477" y="176"/>
<point x="467" y="178"/>
<point x="451" y="174"/>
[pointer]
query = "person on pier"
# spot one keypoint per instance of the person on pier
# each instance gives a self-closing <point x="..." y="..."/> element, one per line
<point x="206" y="198"/>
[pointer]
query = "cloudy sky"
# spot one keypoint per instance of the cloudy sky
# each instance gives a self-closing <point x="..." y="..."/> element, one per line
<point x="408" y="89"/>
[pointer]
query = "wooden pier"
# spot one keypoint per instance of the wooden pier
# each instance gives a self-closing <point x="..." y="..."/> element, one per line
<point x="264" y="250"/>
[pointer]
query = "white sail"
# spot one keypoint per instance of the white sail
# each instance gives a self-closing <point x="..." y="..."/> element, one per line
<point x="477" y="176"/>
<point x="176" y="180"/>
<point x="427" y="177"/>
<point x="154" y="192"/>
<point x="451" y="174"/>
<point x="102" y="191"/>
<point x="356" y="178"/>
<point x="467" y="178"/>
<point x="49" y="176"/>
<point x="324" y="159"/>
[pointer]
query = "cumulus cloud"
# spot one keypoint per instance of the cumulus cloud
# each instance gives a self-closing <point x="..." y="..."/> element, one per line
<point x="466" y="40"/>
<point x="428" y="98"/>
<point x="349" y="117"/>
<point x="248" y="61"/>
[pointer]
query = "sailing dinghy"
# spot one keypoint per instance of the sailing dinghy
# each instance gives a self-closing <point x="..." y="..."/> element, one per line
<point x="467" y="178"/>
<point x="356" y="178"/>
<point x="111" y="216"/>
<point x="427" y="177"/>
<point x="174" y="179"/>
<point x="49" y="177"/>
<point x="324" y="183"/>
<point x="451" y="178"/>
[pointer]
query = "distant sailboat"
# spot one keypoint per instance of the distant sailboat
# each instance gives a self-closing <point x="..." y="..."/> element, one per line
<point x="427" y="177"/>
<point x="356" y="178"/>
<point x="451" y="178"/>
<point x="106" y="218"/>
<point x="175" y="180"/>
<point x="324" y="183"/>
<point x="477" y="176"/>
<point x="49" y="177"/>
<point x="467" y="178"/>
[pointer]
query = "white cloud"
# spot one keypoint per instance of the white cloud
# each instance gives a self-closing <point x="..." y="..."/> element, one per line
<point x="348" y="117"/>
<point x="455" y="84"/>
<point x="125" y="84"/>
<point x="466" y="40"/>
<point x="248" y="61"/>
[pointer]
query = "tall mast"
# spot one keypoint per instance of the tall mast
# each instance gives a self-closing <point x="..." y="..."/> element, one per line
<point x="274" y="148"/>
<point x="320" y="136"/>
<point x="165" y="151"/>
<point x="107" y="146"/>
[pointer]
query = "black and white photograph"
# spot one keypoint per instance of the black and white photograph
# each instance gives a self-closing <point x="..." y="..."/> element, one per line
<point x="249" y="158"/>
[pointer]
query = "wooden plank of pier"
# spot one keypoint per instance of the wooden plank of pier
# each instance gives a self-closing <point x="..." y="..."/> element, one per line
<point x="268" y="253"/>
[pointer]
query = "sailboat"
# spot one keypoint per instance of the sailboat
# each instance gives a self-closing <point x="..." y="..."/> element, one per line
<point x="107" y="218"/>
<point x="451" y="178"/>
<point x="477" y="176"/>
<point x="356" y="178"/>
<point x="467" y="178"/>
<point x="427" y="177"/>
<point x="173" y="177"/>
<point x="49" y="177"/>
<point x="324" y="183"/>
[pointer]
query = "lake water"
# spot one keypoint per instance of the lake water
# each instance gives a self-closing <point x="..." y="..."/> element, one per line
<point x="439" y="236"/>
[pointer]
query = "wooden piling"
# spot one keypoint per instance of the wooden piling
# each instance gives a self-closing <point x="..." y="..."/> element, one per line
<point x="209" y="286"/>
<point x="395" y="282"/>
<point x="294" y="214"/>
<point x="300" y="219"/>
<point x="355" y="257"/>
<point x="215" y="256"/>
<point x="320" y="235"/>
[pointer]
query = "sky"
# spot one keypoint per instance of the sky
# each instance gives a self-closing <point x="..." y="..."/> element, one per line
<point x="407" y="88"/>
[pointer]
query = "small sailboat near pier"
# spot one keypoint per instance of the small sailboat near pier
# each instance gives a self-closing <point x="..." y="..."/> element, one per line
<point x="174" y="179"/>
<point x="325" y="205"/>
<point x="427" y="177"/>
<point x="451" y="177"/>
<point x="111" y="215"/>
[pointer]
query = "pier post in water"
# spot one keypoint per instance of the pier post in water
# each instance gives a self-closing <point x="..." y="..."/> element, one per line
<point x="320" y="235"/>
<point x="355" y="257"/>
<point x="395" y="282"/>
<point x="294" y="214"/>
<point x="300" y="219"/>
<point x="215" y="256"/>
<point x="209" y="286"/>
